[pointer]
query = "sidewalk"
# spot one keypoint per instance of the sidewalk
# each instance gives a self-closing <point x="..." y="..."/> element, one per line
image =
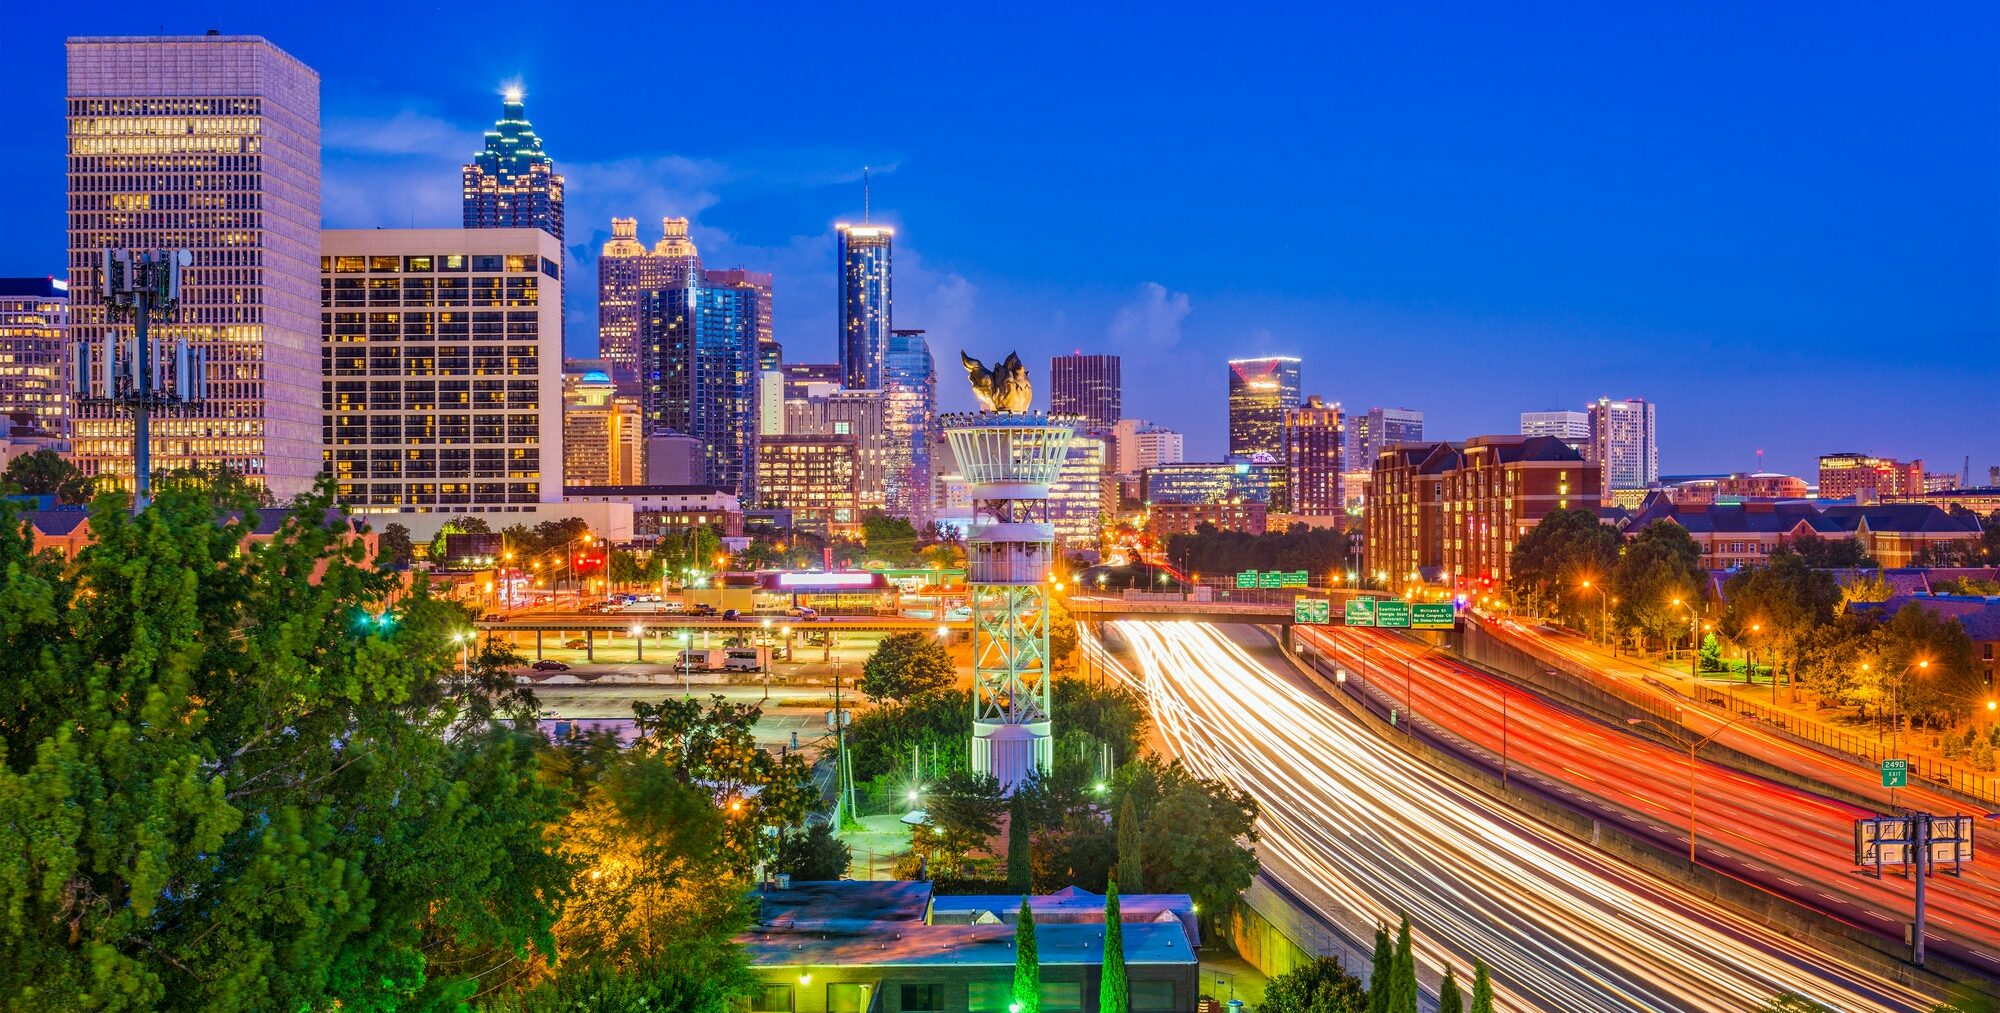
<point x="876" y="846"/>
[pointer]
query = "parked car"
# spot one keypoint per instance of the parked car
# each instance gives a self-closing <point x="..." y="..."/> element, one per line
<point x="672" y="605"/>
<point x="802" y="612"/>
<point x="575" y="643"/>
<point x="549" y="665"/>
<point x="732" y="614"/>
<point x="703" y="609"/>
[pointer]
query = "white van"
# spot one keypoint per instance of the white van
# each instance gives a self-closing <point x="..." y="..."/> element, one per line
<point x="744" y="659"/>
<point x="673" y="605"/>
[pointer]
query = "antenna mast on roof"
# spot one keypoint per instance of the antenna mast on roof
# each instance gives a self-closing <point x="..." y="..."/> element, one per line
<point x="864" y="195"/>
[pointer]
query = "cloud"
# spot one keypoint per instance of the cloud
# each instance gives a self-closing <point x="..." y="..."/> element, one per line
<point x="1152" y="322"/>
<point x="408" y="132"/>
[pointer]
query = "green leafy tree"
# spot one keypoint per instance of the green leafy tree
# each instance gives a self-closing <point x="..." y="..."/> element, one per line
<point x="1830" y="658"/>
<point x="715" y="747"/>
<point x="1774" y="608"/>
<point x="394" y="546"/>
<point x="814" y="854"/>
<point x="582" y="986"/>
<point x="1930" y="664"/>
<point x="1711" y="653"/>
<point x="760" y="555"/>
<point x="1027" y="964"/>
<point x="881" y="740"/>
<point x="1096" y="713"/>
<point x="1020" y="863"/>
<point x="891" y="540"/>
<point x="455" y="526"/>
<point x="1661" y="565"/>
<point x="1403" y="976"/>
<point x="1114" y="995"/>
<point x="1482" y="988"/>
<point x="1382" y="972"/>
<point x="1322" y="986"/>
<point x="230" y="779"/>
<point x="905" y="666"/>
<point x="1830" y="553"/>
<point x="1863" y="587"/>
<point x="1063" y="640"/>
<point x="624" y="568"/>
<point x="1318" y="551"/>
<point x="1450" y="998"/>
<point x="1131" y="846"/>
<point x="964" y="814"/>
<point x="1198" y="835"/>
<point x="1563" y="549"/>
<point x="47" y="473"/>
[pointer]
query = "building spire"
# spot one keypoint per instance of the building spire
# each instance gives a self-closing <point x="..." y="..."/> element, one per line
<point x="864" y="195"/>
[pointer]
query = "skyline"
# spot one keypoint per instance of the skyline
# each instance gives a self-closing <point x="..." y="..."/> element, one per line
<point x="1775" y="217"/>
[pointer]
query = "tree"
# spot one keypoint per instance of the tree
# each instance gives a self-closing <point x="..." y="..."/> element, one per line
<point x="395" y="548"/>
<point x="1661" y="565"/>
<point x="1403" y="977"/>
<point x="1929" y="662"/>
<point x="233" y="779"/>
<point x="964" y="813"/>
<point x="1831" y="553"/>
<point x="814" y="854"/>
<point x="715" y="748"/>
<point x="1776" y="607"/>
<point x="1382" y="973"/>
<point x="1563" y="549"/>
<point x="1113" y="994"/>
<point x="905" y="666"/>
<point x="1450" y="999"/>
<point x="1863" y="587"/>
<point x="1020" y="864"/>
<point x="455" y="526"/>
<point x="1063" y="640"/>
<point x="1319" y="551"/>
<point x="1027" y="964"/>
<point x="892" y="540"/>
<point x="1131" y="867"/>
<point x="47" y="473"/>
<point x="1198" y="834"/>
<point x="1322" y="986"/>
<point x="1482" y="988"/>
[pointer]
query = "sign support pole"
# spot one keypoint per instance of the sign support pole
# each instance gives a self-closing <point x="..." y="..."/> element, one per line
<point x="1923" y="868"/>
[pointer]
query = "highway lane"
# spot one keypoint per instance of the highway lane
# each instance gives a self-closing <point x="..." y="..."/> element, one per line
<point x="1564" y="928"/>
<point x="1785" y="841"/>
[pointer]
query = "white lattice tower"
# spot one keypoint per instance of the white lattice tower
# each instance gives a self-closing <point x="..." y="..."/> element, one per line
<point x="1009" y="459"/>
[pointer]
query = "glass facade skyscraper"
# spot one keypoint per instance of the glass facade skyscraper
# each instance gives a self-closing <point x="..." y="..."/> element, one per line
<point x="862" y="258"/>
<point x="909" y="386"/>
<point x="512" y="183"/>
<point x="1261" y="391"/>
<point x="698" y="377"/>
<point x="1088" y="386"/>
<point x="626" y="271"/>
<point x="208" y="143"/>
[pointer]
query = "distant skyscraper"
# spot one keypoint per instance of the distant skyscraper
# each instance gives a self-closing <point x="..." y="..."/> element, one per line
<point x="1087" y="385"/>
<point x="34" y="357"/>
<point x="815" y="477"/>
<point x="208" y="143"/>
<point x="626" y="271"/>
<point x="760" y="282"/>
<point x="431" y="406"/>
<point x="1076" y="497"/>
<point x="1622" y="445"/>
<point x="1369" y="434"/>
<point x="1139" y="445"/>
<point x="1314" y="455"/>
<point x="513" y="183"/>
<point x="603" y="440"/>
<point x="860" y="415"/>
<point x="1570" y="427"/>
<point x="909" y="386"/>
<point x="862" y="257"/>
<point x="1260" y="392"/>
<point x="698" y="377"/>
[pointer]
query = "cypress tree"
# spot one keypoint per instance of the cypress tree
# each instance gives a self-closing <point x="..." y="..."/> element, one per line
<point x="1113" y="994"/>
<point x="1482" y="988"/>
<point x="1450" y="999"/>
<point x="1380" y="973"/>
<point x="1027" y="964"/>
<point x="1403" y="992"/>
<point x="1130" y="871"/>
<point x="1020" y="862"/>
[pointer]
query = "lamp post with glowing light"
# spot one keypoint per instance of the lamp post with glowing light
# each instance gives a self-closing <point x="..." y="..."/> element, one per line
<point x="1694" y="639"/>
<point x="1603" y="612"/>
<point x="1693" y="746"/>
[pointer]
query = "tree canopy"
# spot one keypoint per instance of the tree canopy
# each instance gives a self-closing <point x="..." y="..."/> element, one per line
<point x="1563" y="549"/>
<point x="46" y="473"/>
<point x="1662" y="564"/>
<point x="905" y="666"/>
<point x="1319" y="551"/>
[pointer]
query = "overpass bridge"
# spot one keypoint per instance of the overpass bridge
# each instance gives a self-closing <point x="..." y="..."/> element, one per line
<point x="1166" y="608"/>
<point x="599" y="629"/>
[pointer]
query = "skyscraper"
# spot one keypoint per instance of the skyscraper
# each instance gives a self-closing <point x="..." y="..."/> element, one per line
<point x="208" y="143"/>
<point x="627" y="270"/>
<point x="1368" y="435"/>
<point x="442" y="368"/>
<point x="1622" y="446"/>
<point x="1087" y="385"/>
<point x="513" y="183"/>
<point x="760" y="281"/>
<point x="603" y="439"/>
<point x="862" y="257"/>
<point x="909" y="386"/>
<point x="1314" y="455"/>
<point x="1260" y="392"/>
<point x="860" y="415"/>
<point x="698" y="377"/>
<point x="1573" y="428"/>
<point x="34" y="359"/>
<point x="1139" y="445"/>
<point x="1076" y="497"/>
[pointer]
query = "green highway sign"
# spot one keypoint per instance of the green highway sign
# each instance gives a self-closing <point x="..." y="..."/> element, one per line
<point x="1432" y="616"/>
<point x="1392" y="612"/>
<point x="1292" y="578"/>
<point x="1360" y="612"/>
<point x="1316" y="611"/>
<point x="1270" y="579"/>
<point x="1246" y="578"/>
<point x="1895" y="773"/>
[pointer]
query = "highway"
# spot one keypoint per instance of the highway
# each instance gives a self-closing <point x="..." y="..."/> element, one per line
<point x="1349" y="816"/>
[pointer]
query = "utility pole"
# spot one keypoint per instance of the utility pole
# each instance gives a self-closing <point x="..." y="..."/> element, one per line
<point x="140" y="285"/>
<point x="1922" y="866"/>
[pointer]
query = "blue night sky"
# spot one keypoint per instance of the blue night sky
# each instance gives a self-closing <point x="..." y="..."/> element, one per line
<point x="1781" y="223"/>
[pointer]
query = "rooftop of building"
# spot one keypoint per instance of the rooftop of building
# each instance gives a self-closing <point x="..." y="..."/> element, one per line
<point x="34" y="288"/>
<point x="1978" y="616"/>
<point x="645" y="490"/>
<point x="1781" y="516"/>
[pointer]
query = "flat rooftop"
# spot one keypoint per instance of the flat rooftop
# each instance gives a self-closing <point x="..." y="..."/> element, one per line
<point x="895" y="944"/>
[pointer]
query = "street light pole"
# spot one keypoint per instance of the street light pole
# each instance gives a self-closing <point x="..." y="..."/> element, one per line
<point x="1693" y="746"/>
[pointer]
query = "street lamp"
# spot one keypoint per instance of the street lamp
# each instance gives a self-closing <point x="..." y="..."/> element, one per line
<point x="1693" y="746"/>
<point x="1694" y="640"/>
<point x="685" y="640"/>
<point x="1603" y="612"/>
<point x="766" y="659"/>
<point x="638" y="642"/>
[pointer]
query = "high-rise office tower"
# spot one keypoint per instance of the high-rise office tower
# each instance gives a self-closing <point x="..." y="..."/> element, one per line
<point x="859" y="414"/>
<point x="604" y="442"/>
<point x="1260" y="392"/>
<point x="1139" y="445"/>
<point x="909" y="419"/>
<point x="760" y="281"/>
<point x="1076" y="497"/>
<point x="816" y="478"/>
<point x="698" y="377"/>
<point x="1573" y="428"/>
<point x="861" y="256"/>
<point x="1369" y="434"/>
<point x="442" y="364"/>
<point x="34" y="358"/>
<point x="208" y="143"/>
<point x="513" y="183"/>
<point x="626" y="271"/>
<point x="1622" y="445"/>
<point x="810" y="379"/>
<point x="1087" y="385"/>
<point x="1314" y="456"/>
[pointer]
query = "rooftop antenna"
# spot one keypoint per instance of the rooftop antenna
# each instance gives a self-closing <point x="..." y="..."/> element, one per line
<point x="864" y="195"/>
